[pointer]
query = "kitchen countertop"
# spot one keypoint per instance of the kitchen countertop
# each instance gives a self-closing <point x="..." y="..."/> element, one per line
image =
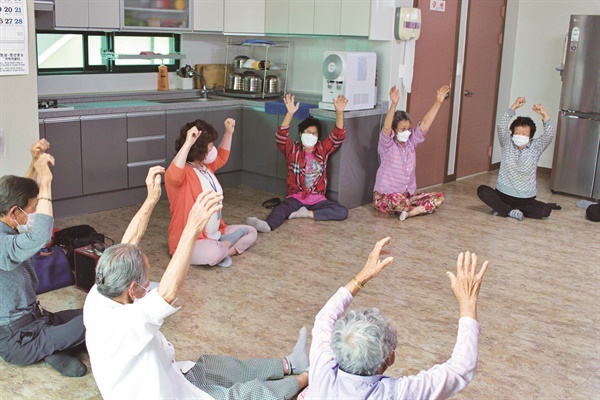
<point x="148" y="101"/>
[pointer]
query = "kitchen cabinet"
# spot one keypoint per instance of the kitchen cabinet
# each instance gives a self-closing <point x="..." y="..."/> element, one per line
<point x="146" y="145"/>
<point x="301" y="17"/>
<point x="64" y="135"/>
<point x="87" y="14"/>
<point x="159" y="15"/>
<point x="326" y="12"/>
<point x="355" y="18"/>
<point x="104" y="153"/>
<point x="244" y="16"/>
<point x="277" y="16"/>
<point x="208" y="15"/>
<point x="259" y="151"/>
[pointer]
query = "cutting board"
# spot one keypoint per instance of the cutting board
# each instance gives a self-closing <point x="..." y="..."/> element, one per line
<point x="213" y="73"/>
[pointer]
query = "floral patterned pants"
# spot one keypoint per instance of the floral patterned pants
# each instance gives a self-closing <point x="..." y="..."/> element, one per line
<point x="395" y="203"/>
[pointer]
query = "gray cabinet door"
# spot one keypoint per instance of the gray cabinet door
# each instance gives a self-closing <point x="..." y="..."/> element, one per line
<point x="259" y="151"/>
<point x="104" y="153"/>
<point x="146" y="124"/>
<point x="216" y="118"/>
<point x="64" y="136"/>
<point x="175" y="121"/>
<point x="146" y="144"/>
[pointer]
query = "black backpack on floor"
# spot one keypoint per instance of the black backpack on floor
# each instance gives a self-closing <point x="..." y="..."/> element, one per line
<point x="78" y="236"/>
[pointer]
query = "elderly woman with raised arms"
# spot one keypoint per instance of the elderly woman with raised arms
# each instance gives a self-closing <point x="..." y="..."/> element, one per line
<point x="351" y="350"/>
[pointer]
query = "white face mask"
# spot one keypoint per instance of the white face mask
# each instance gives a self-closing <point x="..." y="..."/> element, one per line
<point x="520" y="140"/>
<point x="403" y="136"/>
<point x="211" y="156"/>
<point x="309" y="140"/>
<point x="28" y="226"/>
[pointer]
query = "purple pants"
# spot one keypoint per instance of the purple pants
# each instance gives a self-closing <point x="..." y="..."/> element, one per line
<point x="323" y="211"/>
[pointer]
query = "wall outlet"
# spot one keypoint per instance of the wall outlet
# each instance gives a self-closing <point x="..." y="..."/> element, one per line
<point x="437" y="5"/>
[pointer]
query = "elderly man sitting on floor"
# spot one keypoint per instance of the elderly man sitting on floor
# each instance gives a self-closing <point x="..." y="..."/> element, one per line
<point x="130" y="357"/>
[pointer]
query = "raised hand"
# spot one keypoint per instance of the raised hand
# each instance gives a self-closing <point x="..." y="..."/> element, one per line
<point x="42" y="167"/>
<point x="539" y="109"/>
<point x="153" y="180"/>
<point x="340" y="103"/>
<point x="229" y="125"/>
<point x="518" y="103"/>
<point x="192" y="135"/>
<point x="289" y="104"/>
<point x="39" y="148"/>
<point x="442" y="93"/>
<point x="394" y="95"/>
<point x="207" y="203"/>
<point x="467" y="282"/>
<point x="374" y="263"/>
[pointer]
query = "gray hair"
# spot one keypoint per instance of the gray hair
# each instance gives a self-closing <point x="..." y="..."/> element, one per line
<point x="16" y="191"/>
<point x="120" y="265"/>
<point x="362" y="340"/>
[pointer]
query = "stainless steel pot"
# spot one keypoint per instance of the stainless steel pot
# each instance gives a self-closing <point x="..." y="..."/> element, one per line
<point x="272" y="84"/>
<point x="252" y="83"/>
<point x="236" y="81"/>
<point x="239" y="61"/>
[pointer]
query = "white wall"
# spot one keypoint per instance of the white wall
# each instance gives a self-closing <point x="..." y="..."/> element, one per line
<point x="533" y="45"/>
<point x="18" y="111"/>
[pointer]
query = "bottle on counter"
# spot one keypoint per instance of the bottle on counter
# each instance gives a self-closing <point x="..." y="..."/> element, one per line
<point x="163" y="78"/>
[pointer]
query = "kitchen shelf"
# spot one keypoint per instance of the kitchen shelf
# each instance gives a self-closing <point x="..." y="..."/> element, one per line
<point x="146" y="15"/>
<point x="262" y="48"/>
<point x="110" y="55"/>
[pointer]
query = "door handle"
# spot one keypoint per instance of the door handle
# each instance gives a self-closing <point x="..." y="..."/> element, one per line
<point x="468" y="93"/>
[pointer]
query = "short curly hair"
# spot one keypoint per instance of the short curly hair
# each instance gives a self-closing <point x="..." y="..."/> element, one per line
<point x="524" y="122"/>
<point x="362" y="340"/>
<point x="200" y="147"/>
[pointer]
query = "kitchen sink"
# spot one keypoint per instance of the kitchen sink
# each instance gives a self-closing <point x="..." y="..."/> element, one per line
<point x="192" y="100"/>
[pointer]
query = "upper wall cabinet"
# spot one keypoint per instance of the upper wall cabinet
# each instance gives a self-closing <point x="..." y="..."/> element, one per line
<point x="87" y="14"/>
<point x="244" y="16"/>
<point x="157" y="15"/>
<point x="318" y="17"/>
<point x="208" y="15"/>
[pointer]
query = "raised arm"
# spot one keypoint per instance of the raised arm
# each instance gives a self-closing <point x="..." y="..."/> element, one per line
<point x="288" y="100"/>
<point x="430" y="116"/>
<point x="228" y="136"/>
<point x="467" y="282"/>
<point x="206" y="205"/>
<point x="180" y="158"/>
<point x="545" y="139"/>
<point x="371" y="269"/>
<point x="503" y="125"/>
<point x="42" y="169"/>
<point x="389" y="118"/>
<point x="137" y="227"/>
<point x="340" y="104"/>
<point x="37" y="149"/>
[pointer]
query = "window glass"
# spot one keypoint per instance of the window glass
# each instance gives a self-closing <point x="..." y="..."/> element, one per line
<point x="60" y="50"/>
<point x="95" y="46"/>
<point x="148" y="44"/>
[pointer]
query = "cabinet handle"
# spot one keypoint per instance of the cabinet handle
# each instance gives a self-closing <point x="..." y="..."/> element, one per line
<point x="146" y="138"/>
<point x="144" y="163"/>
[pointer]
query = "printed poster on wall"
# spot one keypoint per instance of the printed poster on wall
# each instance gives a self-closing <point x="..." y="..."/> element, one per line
<point x="14" y="52"/>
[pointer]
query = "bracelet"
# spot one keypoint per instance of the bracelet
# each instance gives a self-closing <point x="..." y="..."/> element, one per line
<point x="45" y="198"/>
<point x="357" y="283"/>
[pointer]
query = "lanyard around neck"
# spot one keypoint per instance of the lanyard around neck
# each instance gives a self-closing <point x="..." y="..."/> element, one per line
<point x="206" y="173"/>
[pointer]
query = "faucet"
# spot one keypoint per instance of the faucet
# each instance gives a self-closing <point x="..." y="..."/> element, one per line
<point x="204" y="89"/>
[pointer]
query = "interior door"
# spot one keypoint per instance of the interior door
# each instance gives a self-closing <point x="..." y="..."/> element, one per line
<point x="483" y="51"/>
<point x="434" y="64"/>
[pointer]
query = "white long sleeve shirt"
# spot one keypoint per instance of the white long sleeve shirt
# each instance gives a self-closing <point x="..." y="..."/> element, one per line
<point x="130" y="357"/>
<point x="328" y="381"/>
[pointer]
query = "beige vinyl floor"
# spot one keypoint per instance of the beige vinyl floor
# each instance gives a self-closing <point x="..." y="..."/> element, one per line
<point x="539" y="305"/>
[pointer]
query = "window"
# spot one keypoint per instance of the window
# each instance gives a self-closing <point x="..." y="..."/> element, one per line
<point x="82" y="52"/>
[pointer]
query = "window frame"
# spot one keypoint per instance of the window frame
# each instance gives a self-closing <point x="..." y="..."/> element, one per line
<point x="109" y="65"/>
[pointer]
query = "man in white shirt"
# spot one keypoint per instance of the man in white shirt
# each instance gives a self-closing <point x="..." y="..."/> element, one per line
<point x="129" y="355"/>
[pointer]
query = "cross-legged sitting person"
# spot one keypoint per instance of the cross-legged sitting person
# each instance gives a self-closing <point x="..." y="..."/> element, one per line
<point x="395" y="189"/>
<point x="306" y="166"/>
<point x="516" y="188"/>
<point x="193" y="171"/>
<point x="352" y="349"/>
<point x="132" y="359"/>
<point x="28" y="332"/>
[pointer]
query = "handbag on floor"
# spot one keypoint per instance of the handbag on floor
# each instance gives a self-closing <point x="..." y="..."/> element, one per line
<point x="52" y="269"/>
<point x="78" y="236"/>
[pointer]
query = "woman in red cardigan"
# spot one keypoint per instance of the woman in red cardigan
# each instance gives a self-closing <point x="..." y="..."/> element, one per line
<point x="191" y="172"/>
